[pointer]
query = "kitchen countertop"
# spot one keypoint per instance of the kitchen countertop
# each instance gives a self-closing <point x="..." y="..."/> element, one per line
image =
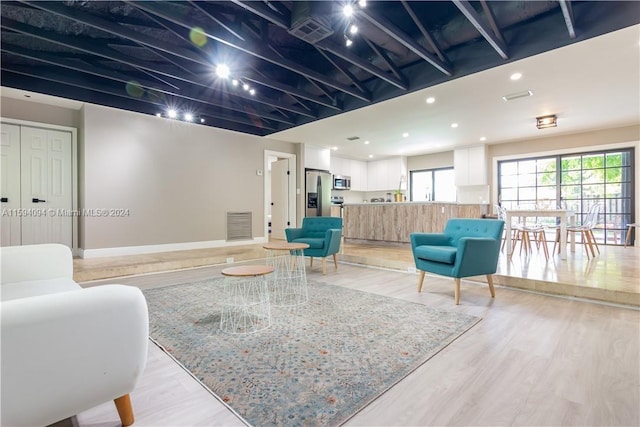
<point x="411" y="203"/>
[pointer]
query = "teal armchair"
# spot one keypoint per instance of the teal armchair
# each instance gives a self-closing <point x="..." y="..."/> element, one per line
<point x="467" y="247"/>
<point x="322" y="234"/>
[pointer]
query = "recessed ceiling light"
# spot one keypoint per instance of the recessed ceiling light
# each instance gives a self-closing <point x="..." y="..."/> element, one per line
<point x="334" y="148"/>
<point x="454" y="125"/>
<point x="353" y="29"/>
<point x="371" y="156"/>
<point x="405" y="135"/>
<point x="483" y="138"/>
<point x="201" y="120"/>
<point x="234" y="82"/>
<point x="431" y="100"/>
<point x="158" y="114"/>
<point x="347" y="10"/>
<point x="362" y="3"/>
<point x="366" y="142"/>
<point x="188" y="117"/>
<point x="172" y="114"/>
<point x="252" y="91"/>
<point x="516" y="76"/>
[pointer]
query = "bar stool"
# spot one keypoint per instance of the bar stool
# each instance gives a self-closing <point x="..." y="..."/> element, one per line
<point x="288" y="283"/>
<point x="245" y="299"/>
<point x="628" y="238"/>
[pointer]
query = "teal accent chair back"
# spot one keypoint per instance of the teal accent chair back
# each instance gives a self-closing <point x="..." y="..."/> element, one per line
<point x="467" y="247"/>
<point x="323" y="235"/>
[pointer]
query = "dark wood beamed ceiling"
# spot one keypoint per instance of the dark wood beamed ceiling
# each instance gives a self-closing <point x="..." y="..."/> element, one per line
<point x="148" y="56"/>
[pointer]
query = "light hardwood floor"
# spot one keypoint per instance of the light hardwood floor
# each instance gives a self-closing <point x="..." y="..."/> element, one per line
<point x="533" y="360"/>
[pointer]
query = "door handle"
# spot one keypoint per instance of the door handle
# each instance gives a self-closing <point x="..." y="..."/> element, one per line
<point x="4" y="200"/>
<point x="35" y="200"/>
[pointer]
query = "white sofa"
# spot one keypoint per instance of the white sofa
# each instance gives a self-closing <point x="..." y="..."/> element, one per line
<point x="65" y="349"/>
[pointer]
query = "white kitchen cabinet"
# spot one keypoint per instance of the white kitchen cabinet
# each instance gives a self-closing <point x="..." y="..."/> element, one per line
<point x="340" y="166"/>
<point x="470" y="166"/>
<point x="384" y="175"/>
<point x="317" y="158"/>
<point x="358" y="175"/>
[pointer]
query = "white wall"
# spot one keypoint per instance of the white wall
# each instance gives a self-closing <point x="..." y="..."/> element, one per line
<point x="177" y="180"/>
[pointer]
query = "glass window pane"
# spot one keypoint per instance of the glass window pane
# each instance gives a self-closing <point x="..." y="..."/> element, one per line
<point x="592" y="176"/>
<point x="613" y="175"/>
<point x="546" y="165"/>
<point x="527" y="194"/>
<point x="509" y="194"/>
<point x="571" y="163"/>
<point x="592" y="161"/>
<point x="508" y="168"/>
<point x="613" y="190"/>
<point x="573" y="177"/>
<point x="421" y="185"/>
<point x="570" y="191"/>
<point x="527" y="180"/>
<point x="547" y="193"/>
<point x="593" y="191"/>
<point x="526" y="166"/>
<point x="614" y="159"/>
<point x="546" y="178"/>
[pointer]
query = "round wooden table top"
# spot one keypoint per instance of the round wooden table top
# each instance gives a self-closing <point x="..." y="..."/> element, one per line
<point x="247" y="270"/>
<point x="285" y="246"/>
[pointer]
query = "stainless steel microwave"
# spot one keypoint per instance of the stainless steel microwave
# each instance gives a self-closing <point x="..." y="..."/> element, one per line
<point x="341" y="182"/>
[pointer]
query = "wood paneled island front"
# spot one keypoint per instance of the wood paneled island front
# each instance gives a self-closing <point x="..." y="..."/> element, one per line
<point x="393" y="222"/>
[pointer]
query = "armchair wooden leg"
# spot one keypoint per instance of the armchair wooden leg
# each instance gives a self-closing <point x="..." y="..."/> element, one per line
<point x="324" y="265"/>
<point x="311" y="262"/>
<point x="456" y="291"/>
<point x="491" y="289"/>
<point x="125" y="410"/>
<point x="335" y="261"/>
<point x="420" y="280"/>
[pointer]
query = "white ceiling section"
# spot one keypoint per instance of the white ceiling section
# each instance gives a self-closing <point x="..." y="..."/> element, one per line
<point x="594" y="84"/>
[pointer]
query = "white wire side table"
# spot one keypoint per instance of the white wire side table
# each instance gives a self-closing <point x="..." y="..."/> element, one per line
<point x="245" y="299"/>
<point x="288" y="283"/>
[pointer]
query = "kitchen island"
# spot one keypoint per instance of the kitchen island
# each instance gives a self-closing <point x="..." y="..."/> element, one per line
<point x="393" y="222"/>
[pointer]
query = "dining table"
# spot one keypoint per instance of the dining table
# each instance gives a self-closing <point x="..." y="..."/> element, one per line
<point x="566" y="217"/>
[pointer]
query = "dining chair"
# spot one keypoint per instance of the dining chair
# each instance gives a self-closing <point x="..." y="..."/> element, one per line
<point x="522" y="233"/>
<point x="586" y="231"/>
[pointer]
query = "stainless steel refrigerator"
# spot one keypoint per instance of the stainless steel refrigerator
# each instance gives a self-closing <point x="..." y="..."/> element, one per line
<point x="318" y="193"/>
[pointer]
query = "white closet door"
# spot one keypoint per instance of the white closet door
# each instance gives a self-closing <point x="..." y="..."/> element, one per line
<point x="46" y="186"/>
<point x="10" y="185"/>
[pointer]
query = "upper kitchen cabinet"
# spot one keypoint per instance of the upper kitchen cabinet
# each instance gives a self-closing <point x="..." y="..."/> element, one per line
<point x="340" y="166"/>
<point x="470" y="166"/>
<point x="355" y="169"/>
<point x="317" y="158"/>
<point x="358" y="175"/>
<point x="385" y="175"/>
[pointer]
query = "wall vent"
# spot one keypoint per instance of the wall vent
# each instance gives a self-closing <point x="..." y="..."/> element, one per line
<point x="239" y="226"/>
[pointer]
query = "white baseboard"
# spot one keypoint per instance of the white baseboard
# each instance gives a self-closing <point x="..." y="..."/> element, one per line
<point x="170" y="247"/>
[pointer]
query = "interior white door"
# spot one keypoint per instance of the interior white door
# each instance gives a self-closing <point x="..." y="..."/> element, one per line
<point x="10" y="185"/>
<point x="279" y="198"/>
<point x="46" y="193"/>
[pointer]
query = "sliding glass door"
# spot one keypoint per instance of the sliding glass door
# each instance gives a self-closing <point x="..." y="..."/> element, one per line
<point x="577" y="182"/>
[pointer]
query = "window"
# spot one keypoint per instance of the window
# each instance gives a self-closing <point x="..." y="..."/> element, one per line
<point x="433" y="185"/>
<point x="577" y="182"/>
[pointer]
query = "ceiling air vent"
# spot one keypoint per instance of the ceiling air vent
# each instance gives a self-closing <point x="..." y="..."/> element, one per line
<point x="517" y="95"/>
<point x="311" y="20"/>
<point x="353" y="138"/>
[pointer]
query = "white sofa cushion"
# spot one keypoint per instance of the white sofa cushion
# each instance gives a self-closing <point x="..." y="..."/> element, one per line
<point x="32" y="288"/>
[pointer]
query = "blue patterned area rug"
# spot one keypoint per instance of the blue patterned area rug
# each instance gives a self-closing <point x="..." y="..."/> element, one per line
<point x="318" y="364"/>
